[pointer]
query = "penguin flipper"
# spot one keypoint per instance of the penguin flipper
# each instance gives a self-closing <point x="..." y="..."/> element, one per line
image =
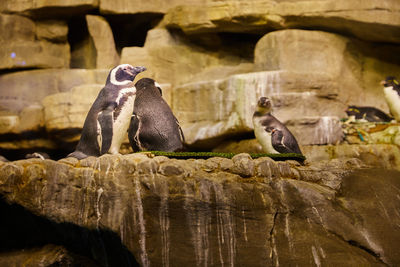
<point x="278" y="142"/>
<point x="105" y="130"/>
<point x="133" y="134"/>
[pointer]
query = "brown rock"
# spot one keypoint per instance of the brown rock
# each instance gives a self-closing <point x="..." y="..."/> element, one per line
<point x="262" y="221"/>
<point x="102" y="36"/>
<point x="370" y="20"/>
<point x="52" y="30"/>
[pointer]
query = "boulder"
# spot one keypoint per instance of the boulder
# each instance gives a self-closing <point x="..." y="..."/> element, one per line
<point x="370" y="20"/>
<point x="52" y="30"/>
<point x="353" y="69"/>
<point x="68" y="110"/>
<point x="30" y="87"/>
<point x="130" y="210"/>
<point x="170" y="58"/>
<point x="102" y="36"/>
<point x="18" y="44"/>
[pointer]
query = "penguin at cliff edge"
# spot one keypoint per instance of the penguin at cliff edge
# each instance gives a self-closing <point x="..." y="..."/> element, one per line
<point x="391" y="91"/>
<point x="273" y="136"/>
<point x="108" y="119"/>
<point x="153" y="126"/>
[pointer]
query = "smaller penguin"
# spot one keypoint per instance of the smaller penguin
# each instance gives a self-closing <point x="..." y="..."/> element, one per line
<point x="108" y="119"/>
<point x="368" y="114"/>
<point x="391" y="91"/>
<point x="153" y="126"/>
<point x="273" y="136"/>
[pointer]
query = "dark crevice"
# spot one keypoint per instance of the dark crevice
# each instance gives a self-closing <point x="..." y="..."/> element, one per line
<point x="131" y="30"/>
<point x="20" y="229"/>
<point x="356" y="244"/>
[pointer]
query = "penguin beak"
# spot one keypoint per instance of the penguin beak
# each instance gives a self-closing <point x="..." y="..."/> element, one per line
<point x="133" y="71"/>
<point x="383" y="82"/>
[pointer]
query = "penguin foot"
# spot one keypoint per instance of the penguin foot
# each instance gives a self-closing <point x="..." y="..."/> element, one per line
<point x="78" y="155"/>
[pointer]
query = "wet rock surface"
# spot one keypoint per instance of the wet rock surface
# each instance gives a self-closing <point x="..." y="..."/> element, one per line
<point x="157" y="211"/>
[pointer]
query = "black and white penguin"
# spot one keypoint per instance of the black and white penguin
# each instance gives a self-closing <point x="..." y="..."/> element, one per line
<point x="368" y="114"/>
<point x="273" y="136"/>
<point x="153" y="126"/>
<point x="108" y="119"/>
<point x="391" y="91"/>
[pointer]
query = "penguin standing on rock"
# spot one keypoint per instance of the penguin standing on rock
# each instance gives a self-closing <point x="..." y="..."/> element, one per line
<point x="273" y="136"/>
<point x="392" y="95"/>
<point x="108" y="119"/>
<point x="153" y="126"/>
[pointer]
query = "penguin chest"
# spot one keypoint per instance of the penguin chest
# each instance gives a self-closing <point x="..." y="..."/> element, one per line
<point x="121" y="118"/>
<point x="393" y="101"/>
<point x="263" y="137"/>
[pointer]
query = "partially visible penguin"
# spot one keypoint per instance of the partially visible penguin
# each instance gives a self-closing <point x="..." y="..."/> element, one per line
<point x="391" y="91"/>
<point x="108" y="119"/>
<point x="273" y="136"/>
<point x="153" y="126"/>
<point x="368" y="113"/>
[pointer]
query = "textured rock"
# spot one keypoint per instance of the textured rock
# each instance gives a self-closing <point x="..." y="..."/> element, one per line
<point x="293" y="99"/>
<point x="354" y="68"/>
<point x="316" y="130"/>
<point x="102" y="36"/>
<point x="48" y="9"/>
<point x="18" y="45"/>
<point x="129" y="7"/>
<point x="378" y="155"/>
<point x="185" y="61"/>
<point x="370" y="20"/>
<point x="69" y="109"/>
<point x="52" y="30"/>
<point x="49" y="255"/>
<point x="30" y="87"/>
<point x="163" y="212"/>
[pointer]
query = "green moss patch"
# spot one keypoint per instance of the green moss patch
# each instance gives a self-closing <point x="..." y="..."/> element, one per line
<point x="206" y="155"/>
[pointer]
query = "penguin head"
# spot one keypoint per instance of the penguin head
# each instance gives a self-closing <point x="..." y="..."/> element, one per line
<point x="264" y="105"/>
<point x="391" y="81"/>
<point x="148" y="83"/>
<point x="123" y="74"/>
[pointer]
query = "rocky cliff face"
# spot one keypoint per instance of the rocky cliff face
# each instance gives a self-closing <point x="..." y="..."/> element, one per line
<point x="313" y="58"/>
<point x="129" y="210"/>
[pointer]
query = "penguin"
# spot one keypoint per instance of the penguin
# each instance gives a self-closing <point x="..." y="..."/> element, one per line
<point x="153" y="126"/>
<point x="273" y="136"/>
<point x="108" y="119"/>
<point x="370" y="114"/>
<point x="391" y="91"/>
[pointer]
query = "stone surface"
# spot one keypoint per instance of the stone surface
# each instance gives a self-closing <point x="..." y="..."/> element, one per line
<point x="52" y="30"/>
<point x="129" y="7"/>
<point x="48" y="8"/>
<point x="30" y="87"/>
<point x="316" y="130"/>
<point x="185" y="61"/>
<point x="18" y="44"/>
<point x="67" y="110"/>
<point x="49" y="255"/>
<point x="370" y="20"/>
<point x="354" y="68"/>
<point x="102" y="36"/>
<point x="237" y="96"/>
<point x="185" y="213"/>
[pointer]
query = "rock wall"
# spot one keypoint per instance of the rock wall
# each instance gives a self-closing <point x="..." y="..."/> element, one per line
<point x="129" y="210"/>
<point x="313" y="58"/>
